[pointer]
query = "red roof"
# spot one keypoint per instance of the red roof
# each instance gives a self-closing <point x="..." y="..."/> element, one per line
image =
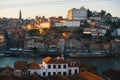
<point x="58" y="77"/>
<point x="57" y="60"/>
<point x="33" y="65"/>
<point x="47" y="59"/>
<point x="90" y="76"/>
<point x="20" y="65"/>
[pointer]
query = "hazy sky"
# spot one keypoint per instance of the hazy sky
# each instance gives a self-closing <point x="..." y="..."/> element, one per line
<point x="31" y="8"/>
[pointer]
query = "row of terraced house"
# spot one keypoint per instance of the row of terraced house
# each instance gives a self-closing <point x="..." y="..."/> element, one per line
<point x="51" y="69"/>
<point x="50" y="66"/>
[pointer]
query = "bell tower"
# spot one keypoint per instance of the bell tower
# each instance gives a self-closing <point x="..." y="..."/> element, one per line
<point x="20" y="15"/>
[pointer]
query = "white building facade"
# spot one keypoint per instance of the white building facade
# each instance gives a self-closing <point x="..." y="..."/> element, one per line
<point x="95" y="31"/>
<point x="72" y="23"/>
<point x="77" y="14"/>
<point x="95" y="18"/>
<point x="51" y="66"/>
<point x="44" y="25"/>
<point x="68" y="23"/>
<point x="116" y="32"/>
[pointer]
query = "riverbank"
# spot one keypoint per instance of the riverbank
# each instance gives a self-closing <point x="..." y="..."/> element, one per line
<point x="55" y="54"/>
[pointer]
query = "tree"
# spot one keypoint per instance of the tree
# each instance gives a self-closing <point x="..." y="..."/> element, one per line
<point x="103" y="12"/>
<point x="79" y="31"/>
<point x="108" y="15"/>
<point x="108" y="34"/>
<point x="89" y="13"/>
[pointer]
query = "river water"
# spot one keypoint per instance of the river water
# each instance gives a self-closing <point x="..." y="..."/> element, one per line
<point x="102" y="64"/>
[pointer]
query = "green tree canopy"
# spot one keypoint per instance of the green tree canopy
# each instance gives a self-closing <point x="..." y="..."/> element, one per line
<point x="109" y="15"/>
<point x="103" y="12"/>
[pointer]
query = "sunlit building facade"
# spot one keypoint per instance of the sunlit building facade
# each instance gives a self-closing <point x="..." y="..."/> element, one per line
<point x="77" y="14"/>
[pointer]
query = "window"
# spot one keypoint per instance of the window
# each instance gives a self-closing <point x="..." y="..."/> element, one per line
<point x="54" y="73"/>
<point x="64" y="66"/>
<point x="44" y="74"/>
<point x="64" y="73"/>
<point x="75" y="71"/>
<point x="59" y="72"/>
<point x="24" y="72"/>
<point x="49" y="73"/>
<point x="59" y="66"/>
<point x="69" y="71"/>
<point x="54" y="66"/>
<point x="49" y="66"/>
<point x="28" y="72"/>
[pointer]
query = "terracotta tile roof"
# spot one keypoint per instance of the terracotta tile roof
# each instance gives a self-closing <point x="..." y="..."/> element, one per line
<point x="17" y="78"/>
<point x="6" y="77"/>
<point x="20" y="65"/>
<point x="7" y="68"/>
<point x="92" y="70"/>
<point x="73" y="63"/>
<point x="47" y="59"/>
<point x="57" y="60"/>
<point x="90" y="76"/>
<point x="10" y="77"/>
<point x="33" y="65"/>
<point x="114" y="75"/>
<point x="34" y="77"/>
<point x="76" y="77"/>
<point x="58" y="77"/>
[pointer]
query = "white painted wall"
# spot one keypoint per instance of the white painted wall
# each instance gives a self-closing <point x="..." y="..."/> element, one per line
<point x="45" y="69"/>
<point x="95" y="18"/>
<point x="58" y="24"/>
<point x="68" y="23"/>
<point x="44" y="25"/>
<point x="118" y="32"/>
<point x="72" y="23"/>
<point x="77" y="14"/>
<point x="34" y="70"/>
<point x="73" y="70"/>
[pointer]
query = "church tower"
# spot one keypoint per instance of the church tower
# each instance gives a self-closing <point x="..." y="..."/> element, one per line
<point x="20" y="15"/>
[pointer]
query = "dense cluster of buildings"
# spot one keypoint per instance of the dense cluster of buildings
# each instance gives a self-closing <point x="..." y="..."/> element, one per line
<point x="50" y="69"/>
<point x="57" y="68"/>
<point x="81" y="30"/>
